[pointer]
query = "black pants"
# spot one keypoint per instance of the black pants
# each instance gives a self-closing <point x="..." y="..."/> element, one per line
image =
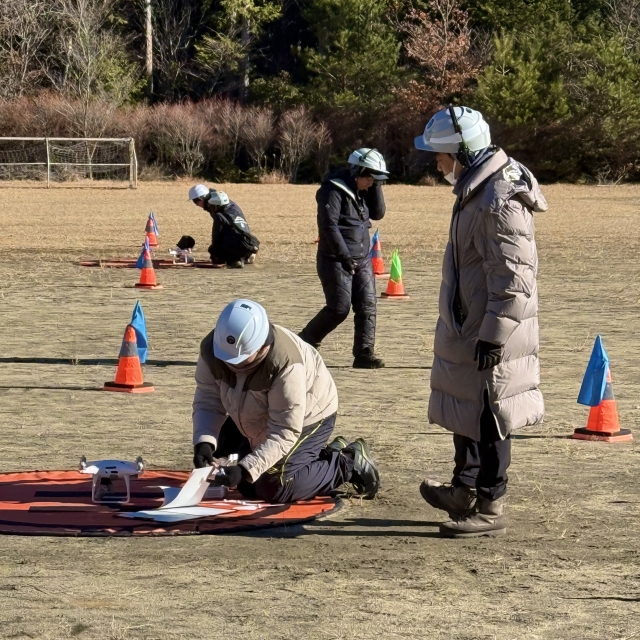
<point x="341" y="291"/>
<point x="483" y="464"/>
<point x="308" y="470"/>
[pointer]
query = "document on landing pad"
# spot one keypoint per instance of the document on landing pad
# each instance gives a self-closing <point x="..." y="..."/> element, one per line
<point x="183" y="505"/>
<point x="176" y="515"/>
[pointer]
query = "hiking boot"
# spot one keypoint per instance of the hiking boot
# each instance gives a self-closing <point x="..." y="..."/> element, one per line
<point x="338" y="444"/>
<point x="368" y="361"/>
<point x="458" y="502"/>
<point x="237" y="264"/>
<point x="365" y="477"/>
<point x="487" y="520"/>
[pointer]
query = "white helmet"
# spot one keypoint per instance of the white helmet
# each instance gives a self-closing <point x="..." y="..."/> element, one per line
<point x="198" y="191"/>
<point x="370" y="159"/>
<point x="442" y="136"/>
<point x="241" y="330"/>
<point x="219" y="198"/>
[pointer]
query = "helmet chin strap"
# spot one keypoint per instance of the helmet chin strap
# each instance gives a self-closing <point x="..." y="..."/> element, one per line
<point x="464" y="155"/>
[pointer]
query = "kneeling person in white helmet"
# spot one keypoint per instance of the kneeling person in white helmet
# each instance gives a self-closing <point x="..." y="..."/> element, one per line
<point x="485" y="375"/>
<point x="347" y="200"/>
<point x="232" y="242"/>
<point x="266" y="395"/>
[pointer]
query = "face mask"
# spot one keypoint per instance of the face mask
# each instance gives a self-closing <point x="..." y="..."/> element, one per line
<point x="450" y="177"/>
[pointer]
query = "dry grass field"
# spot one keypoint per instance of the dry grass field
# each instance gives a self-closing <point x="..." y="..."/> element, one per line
<point x="569" y="567"/>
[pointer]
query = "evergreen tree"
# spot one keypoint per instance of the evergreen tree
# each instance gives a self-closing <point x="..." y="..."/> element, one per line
<point x="355" y="64"/>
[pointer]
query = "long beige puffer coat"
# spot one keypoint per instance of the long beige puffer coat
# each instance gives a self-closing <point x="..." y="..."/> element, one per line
<point x="492" y="259"/>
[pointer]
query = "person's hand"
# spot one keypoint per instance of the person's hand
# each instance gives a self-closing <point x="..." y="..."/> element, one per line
<point x="350" y="265"/>
<point x="227" y="476"/>
<point x="488" y="355"/>
<point x="203" y="455"/>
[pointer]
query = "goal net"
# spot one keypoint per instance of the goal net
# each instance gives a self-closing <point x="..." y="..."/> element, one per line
<point x="53" y="160"/>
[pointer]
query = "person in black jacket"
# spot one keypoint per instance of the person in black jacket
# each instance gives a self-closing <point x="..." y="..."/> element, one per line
<point x="347" y="200"/>
<point x="226" y="245"/>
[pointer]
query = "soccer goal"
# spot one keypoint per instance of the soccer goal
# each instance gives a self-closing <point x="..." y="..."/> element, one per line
<point x="66" y="159"/>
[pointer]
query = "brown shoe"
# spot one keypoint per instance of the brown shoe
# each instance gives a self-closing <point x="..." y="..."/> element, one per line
<point x="487" y="520"/>
<point x="458" y="502"/>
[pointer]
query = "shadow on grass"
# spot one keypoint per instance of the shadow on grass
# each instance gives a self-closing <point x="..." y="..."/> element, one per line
<point x="94" y="361"/>
<point x="49" y="388"/>
<point x="150" y="363"/>
<point x="379" y="528"/>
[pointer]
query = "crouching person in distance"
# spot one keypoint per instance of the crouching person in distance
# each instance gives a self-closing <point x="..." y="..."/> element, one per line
<point x="485" y="375"/>
<point x="347" y="200"/>
<point x="266" y="395"/>
<point x="232" y="242"/>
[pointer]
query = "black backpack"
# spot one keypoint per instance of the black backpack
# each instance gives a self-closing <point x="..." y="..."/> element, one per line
<point x="245" y="238"/>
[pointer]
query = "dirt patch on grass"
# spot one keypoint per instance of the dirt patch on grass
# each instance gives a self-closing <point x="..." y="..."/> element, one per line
<point x="570" y="564"/>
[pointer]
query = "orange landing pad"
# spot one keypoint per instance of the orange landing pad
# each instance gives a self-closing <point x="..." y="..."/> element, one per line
<point x="120" y="263"/>
<point x="58" y="503"/>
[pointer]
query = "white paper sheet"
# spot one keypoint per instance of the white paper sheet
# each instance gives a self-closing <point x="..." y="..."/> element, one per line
<point x="191" y="493"/>
<point x="176" y="515"/>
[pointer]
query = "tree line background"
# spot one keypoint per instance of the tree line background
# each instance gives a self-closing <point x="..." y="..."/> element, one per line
<point x="279" y="90"/>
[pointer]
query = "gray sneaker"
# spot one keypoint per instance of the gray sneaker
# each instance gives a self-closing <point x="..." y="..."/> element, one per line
<point x="487" y="520"/>
<point x="458" y="502"/>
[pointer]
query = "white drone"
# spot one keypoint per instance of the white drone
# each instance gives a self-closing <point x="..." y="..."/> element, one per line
<point x="105" y="472"/>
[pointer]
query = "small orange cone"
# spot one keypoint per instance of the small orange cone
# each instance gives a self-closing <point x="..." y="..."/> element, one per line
<point x="395" y="288"/>
<point x="150" y="230"/>
<point x="377" y="260"/>
<point x="129" y="373"/>
<point x="148" y="274"/>
<point x="603" y="422"/>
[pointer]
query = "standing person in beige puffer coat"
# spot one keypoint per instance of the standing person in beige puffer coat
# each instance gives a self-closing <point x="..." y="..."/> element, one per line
<point x="485" y="375"/>
<point x="266" y="395"/>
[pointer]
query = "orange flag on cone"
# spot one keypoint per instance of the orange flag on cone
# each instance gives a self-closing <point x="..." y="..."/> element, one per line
<point x="129" y="373"/>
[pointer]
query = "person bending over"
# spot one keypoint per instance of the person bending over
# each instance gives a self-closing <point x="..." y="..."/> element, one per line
<point x="266" y="395"/>
<point x="347" y="200"/>
<point x="232" y="242"/>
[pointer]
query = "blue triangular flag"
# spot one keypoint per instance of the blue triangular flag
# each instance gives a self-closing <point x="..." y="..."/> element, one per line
<point x="139" y="324"/>
<point x="595" y="377"/>
<point x="376" y="237"/>
<point x="145" y="247"/>
<point x="154" y="223"/>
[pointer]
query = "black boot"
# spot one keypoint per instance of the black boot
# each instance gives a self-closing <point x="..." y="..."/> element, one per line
<point x="315" y="345"/>
<point x="367" y="360"/>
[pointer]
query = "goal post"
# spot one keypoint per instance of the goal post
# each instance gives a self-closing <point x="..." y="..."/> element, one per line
<point x="62" y="159"/>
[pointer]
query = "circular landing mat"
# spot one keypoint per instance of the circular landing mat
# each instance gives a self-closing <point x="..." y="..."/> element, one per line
<point x="130" y="263"/>
<point x="58" y="503"/>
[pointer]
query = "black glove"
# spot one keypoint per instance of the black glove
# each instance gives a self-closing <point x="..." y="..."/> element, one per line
<point x="350" y="265"/>
<point x="488" y="355"/>
<point x="203" y="455"/>
<point x="227" y="476"/>
<point x="186" y="242"/>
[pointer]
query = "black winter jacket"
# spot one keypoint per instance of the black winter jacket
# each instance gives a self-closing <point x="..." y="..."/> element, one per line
<point x="224" y="243"/>
<point x="344" y="215"/>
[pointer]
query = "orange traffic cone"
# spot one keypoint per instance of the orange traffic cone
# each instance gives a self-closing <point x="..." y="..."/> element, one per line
<point x="395" y="288"/>
<point x="603" y="422"/>
<point x="150" y="230"/>
<point x="148" y="274"/>
<point x="377" y="260"/>
<point x="129" y="373"/>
